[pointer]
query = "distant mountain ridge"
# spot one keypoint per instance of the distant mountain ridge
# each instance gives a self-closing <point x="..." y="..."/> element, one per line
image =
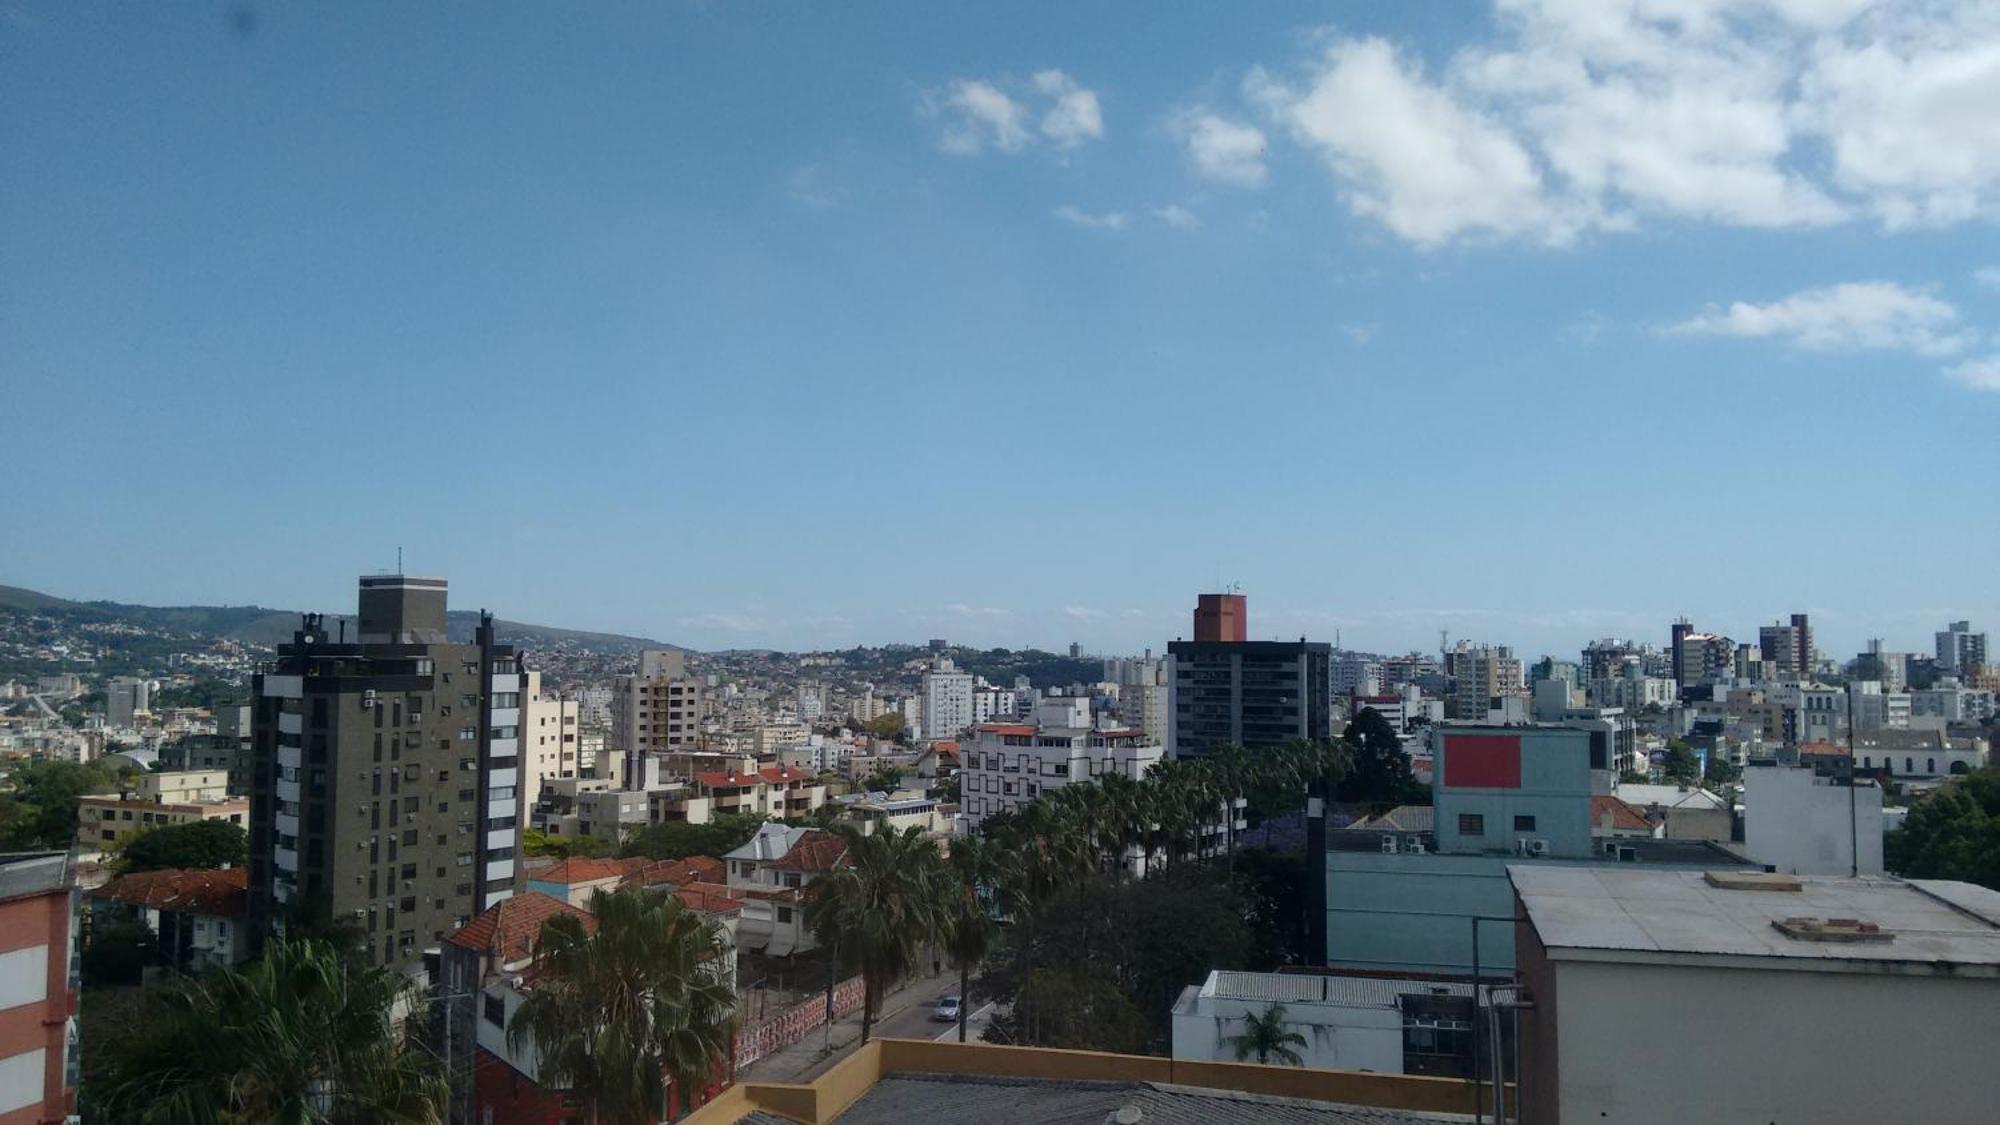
<point x="252" y="624"/>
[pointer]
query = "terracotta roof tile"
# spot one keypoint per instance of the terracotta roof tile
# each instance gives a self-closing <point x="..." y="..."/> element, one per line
<point x="508" y="930"/>
<point x="816" y="850"/>
<point x="710" y="898"/>
<point x="692" y="869"/>
<point x="1623" y="815"/>
<point x="217" y="893"/>
<point x="580" y="869"/>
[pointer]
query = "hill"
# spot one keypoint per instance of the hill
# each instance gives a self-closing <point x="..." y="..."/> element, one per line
<point x="263" y="626"/>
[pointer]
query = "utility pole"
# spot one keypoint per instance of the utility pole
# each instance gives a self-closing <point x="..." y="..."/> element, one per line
<point x="1853" y="825"/>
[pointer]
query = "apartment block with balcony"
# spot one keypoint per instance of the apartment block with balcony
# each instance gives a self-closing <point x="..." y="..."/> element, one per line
<point x="386" y="772"/>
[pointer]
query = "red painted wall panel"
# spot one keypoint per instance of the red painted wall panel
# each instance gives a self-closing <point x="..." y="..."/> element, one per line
<point x="1482" y="761"/>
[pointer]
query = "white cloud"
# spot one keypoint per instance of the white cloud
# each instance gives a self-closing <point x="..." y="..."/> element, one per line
<point x="1359" y="333"/>
<point x="1979" y="374"/>
<point x="811" y="187"/>
<point x="983" y="114"/>
<point x="1177" y="216"/>
<point x="1989" y="276"/>
<point x="1847" y="317"/>
<point x="1075" y="117"/>
<point x="1083" y="613"/>
<point x="1109" y="220"/>
<point x="1001" y="113"/>
<point x="961" y="609"/>
<point x="1597" y="114"/>
<point x="1224" y="150"/>
<point x="726" y="622"/>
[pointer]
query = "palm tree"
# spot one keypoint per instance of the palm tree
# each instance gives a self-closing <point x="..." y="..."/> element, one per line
<point x="879" y="910"/>
<point x="615" y="1012"/>
<point x="306" y="1036"/>
<point x="1265" y="1036"/>
<point x="967" y="918"/>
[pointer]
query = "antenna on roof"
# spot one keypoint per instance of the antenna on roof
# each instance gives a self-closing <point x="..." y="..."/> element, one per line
<point x="399" y="560"/>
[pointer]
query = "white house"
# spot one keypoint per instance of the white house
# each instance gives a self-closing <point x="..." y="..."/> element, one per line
<point x="1383" y="1024"/>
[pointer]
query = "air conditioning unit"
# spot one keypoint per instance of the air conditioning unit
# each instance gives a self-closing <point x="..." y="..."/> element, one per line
<point x="1389" y="845"/>
<point x="1628" y="855"/>
<point x="368" y="699"/>
<point x="1417" y="847"/>
<point x="1538" y="847"/>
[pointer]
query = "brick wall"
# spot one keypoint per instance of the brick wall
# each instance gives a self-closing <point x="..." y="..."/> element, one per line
<point x="794" y="1023"/>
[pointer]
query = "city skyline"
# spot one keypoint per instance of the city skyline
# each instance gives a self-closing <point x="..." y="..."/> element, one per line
<point x="736" y="330"/>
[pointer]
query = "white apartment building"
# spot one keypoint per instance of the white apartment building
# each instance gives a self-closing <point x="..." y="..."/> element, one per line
<point x="550" y="732"/>
<point x="947" y="701"/>
<point x="1006" y="765"/>
<point x="125" y="698"/>
<point x="1875" y="709"/>
<point x="1949" y="703"/>
<point x="1802" y="824"/>
<point x="660" y="708"/>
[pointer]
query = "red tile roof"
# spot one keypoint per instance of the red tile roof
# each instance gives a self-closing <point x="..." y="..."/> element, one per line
<point x="722" y="780"/>
<point x="217" y="893"/>
<point x="508" y="930"/>
<point x="817" y="850"/>
<point x="578" y="869"/>
<point x="710" y="898"/>
<point x="1623" y="815"/>
<point x="1826" y="749"/>
<point x="693" y="869"/>
<point x="777" y="775"/>
<point x="1006" y="728"/>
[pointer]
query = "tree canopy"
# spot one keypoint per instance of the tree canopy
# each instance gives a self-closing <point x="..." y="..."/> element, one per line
<point x="678" y="839"/>
<point x="1380" y="774"/>
<point x="1952" y="834"/>
<point x="201" y="843"/>
<point x="40" y="814"/>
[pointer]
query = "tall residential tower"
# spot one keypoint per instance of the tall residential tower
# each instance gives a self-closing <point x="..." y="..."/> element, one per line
<point x="384" y="773"/>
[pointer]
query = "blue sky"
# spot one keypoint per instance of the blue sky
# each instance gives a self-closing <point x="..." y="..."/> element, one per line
<point x="804" y="325"/>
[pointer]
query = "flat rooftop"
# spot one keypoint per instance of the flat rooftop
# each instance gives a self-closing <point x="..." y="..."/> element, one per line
<point x="1633" y="914"/>
<point x="987" y="1100"/>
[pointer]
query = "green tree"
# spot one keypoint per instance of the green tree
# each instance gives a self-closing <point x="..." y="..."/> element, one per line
<point x="948" y="790"/>
<point x="888" y="725"/>
<point x="1380" y="773"/>
<point x="879" y="910"/>
<point x="304" y="1037"/>
<point x="40" y="814"/>
<point x="1266" y="1037"/>
<point x="1074" y="1008"/>
<point x="967" y="915"/>
<point x="617" y="1011"/>
<point x="1721" y="771"/>
<point x="120" y="949"/>
<point x="1681" y="765"/>
<point x="199" y="843"/>
<point x="536" y="842"/>
<point x="677" y="839"/>
<point x="1952" y="834"/>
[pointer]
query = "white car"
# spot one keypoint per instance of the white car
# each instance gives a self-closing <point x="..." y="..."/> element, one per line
<point x="947" y="1010"/>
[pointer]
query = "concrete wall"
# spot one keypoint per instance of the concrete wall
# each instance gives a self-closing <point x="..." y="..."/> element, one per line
<point x="1337" y="1037"/>
<point x="1412" y="912"/>
<point x="1773" y="1046"/>
<point x="1554" y="789"/>
<point x="1798" y="823"/>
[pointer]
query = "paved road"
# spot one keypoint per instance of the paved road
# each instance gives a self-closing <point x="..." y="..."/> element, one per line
<point x="906" y="1014"/>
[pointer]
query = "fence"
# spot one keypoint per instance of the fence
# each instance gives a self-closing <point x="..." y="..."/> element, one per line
<point x="795" y="1023"/>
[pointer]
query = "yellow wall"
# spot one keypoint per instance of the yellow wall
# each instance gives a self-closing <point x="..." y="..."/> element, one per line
<point x="827" y="1096"/>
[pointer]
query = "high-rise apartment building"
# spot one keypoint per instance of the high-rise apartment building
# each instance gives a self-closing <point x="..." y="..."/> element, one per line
<point x="1480" y="675"/>
<point x="660" y="709"/>
<point x="551" y="738"/>
<point x="385" y="773"/>
<point x="1960" y="651"/>
<point x="125" y="698"/>
<point x="948" y="707"/>
<point x="1244" y="693"/>
<point x="1700" y="657"/>
<point x="1778" y="645"/>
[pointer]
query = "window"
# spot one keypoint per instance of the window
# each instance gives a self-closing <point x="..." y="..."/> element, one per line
<point x="784" y="914"/>
<point x="1471" y="824"/>
<point x="1524" y="824"/>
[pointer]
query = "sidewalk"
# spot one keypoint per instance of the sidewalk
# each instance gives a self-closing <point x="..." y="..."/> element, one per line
<point x="808" y="1058"/>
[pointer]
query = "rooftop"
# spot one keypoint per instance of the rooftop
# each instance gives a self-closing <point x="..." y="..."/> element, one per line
<point x="507" y="930"/>
<point x="216" y="893"/>
<point x="1628" y="914"/>
<point x="33" y="873"/>
<point x="974" y="1099"/>
<point x="1669" y="796"/>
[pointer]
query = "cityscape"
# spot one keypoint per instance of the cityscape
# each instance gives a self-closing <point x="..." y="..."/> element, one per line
<point x="750" y="564"/>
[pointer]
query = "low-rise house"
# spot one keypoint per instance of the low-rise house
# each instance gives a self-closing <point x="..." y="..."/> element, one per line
<point x="195" y="914"/>
<point x="104" y="820"/>
<point x="772" y="870"/>
<point x="1613" y="819"/>
<point x="1387" y="1025"/>
<point x="1685" y="812"/>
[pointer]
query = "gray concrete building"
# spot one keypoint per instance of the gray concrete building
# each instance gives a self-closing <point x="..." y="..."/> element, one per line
<point x="384" y="773"/>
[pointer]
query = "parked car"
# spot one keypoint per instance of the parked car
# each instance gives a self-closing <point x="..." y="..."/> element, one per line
<point x="947" y="1010"/>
